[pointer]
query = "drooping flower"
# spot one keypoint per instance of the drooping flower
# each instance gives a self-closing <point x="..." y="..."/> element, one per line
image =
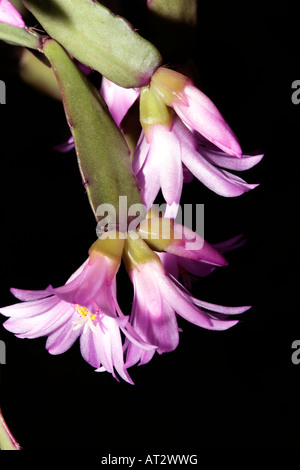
<point x="10" y="15"/>
<point x="166" y="147"/>
<point x="158" y="297"/>
<point x="85" y="307"/>
<point x="195" y="109"/>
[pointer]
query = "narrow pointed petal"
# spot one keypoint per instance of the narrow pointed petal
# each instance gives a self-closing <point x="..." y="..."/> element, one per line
<point x="220" y="181"/>
<point x="183" y="305"/>
<point x="203" y="116"/>
<point x="229" y="162"/>
<point x="193" y="246"/>
<point x="117" y="353"/>
<point x="221" y="308"/>
<point x="40" y="325"/>
<point x="62" y="339"/>
<point x="153" y="318"/>
<point x="170" y="168"/>
<point x="88" y="348"/>
<point x="29" y="309"/>
<point x="25" y="295"/>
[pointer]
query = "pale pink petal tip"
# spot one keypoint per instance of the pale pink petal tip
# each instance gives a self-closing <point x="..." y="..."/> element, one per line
<point x="203" y="116"/>
<point x="118" y="99"/>
<point x="10" y="15"/>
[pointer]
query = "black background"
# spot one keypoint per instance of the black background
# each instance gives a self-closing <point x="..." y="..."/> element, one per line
<point x="236" y="389"/>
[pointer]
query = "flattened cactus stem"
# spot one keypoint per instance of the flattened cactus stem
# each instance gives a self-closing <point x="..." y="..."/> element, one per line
<point x="99" y="39"/>
<point x="102" y="153"/>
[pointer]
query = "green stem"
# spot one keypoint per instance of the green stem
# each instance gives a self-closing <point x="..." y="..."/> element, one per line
<point x="20" y="36"/>
<point x="7" y="441"/>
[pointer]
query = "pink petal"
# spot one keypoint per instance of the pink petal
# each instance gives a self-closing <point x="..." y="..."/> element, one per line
<point x="89" y="347"/>
<point x="148" y="177"/>
<point x="193" y="246"/>
<point x="118" y="99"/>
<point x="219" y="181"/>
<point x="62" y="339"/>
<point x="109" y="348"/>
<point x="153" y="318"/>
<point x="232" y="163"/>
<point x="10" y="15"/>
<point x="221" y="308"/>
<point x="184" y="307"/>
<point x="26" y="295"/>
<point x="66" y="146"/>
<point x="203" y="116"/>
<point x="170" y="168"/>
<point x="140" y="153"/>
<point x="91" y="288"/>
<point x="45" y="324"/>
<point x="29" y="309"/>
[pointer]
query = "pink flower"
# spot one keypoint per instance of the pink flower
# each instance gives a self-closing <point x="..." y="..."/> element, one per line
<point x="195" y="109"/>
<point x="10" y="15"/>
<point x="159" y="164"/>
<point x="157" y="300"/>
<point x="158" y="297"/>
<point x="85" y="307"/>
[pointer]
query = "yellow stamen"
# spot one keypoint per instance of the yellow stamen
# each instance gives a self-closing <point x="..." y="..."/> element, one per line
<point x="82" y="310"/>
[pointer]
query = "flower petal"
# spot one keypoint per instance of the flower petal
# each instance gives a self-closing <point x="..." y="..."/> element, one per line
<point x="26" y="295"/>
<point x="29" y="309"/>
<point x="45" y="324"/>
<point x="10" y="15"/>
<point x="224" y="160"/>
<point x="66" y="146"/>
<point x="220" y="181"/>
<point x="62" y="339"/>
<point x="118" y="99"/>
<point x="185" y="308"/>
<point x="193" y="246"/>
<point x="170" y="168"/>
<point x="203" y="116"/>
<point x="148" y="177"/>
<point x="140" y="153"/>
